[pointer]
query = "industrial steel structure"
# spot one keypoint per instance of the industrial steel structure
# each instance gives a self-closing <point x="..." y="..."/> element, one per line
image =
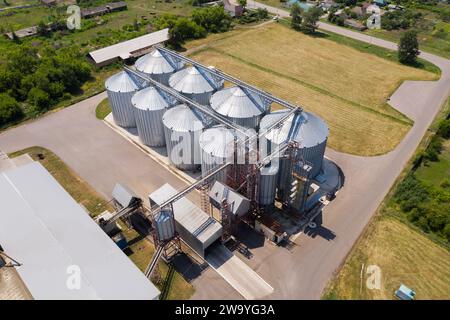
<point x="209" y="126"/>
<point x="120" y="89"/>
<point x="149" y="107"/>
<point x="195" y="84"/>
<point x="241" y="106"/>
<point x="157" y="66"/>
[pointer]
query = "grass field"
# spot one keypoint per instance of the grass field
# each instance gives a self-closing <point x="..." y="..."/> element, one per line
<point x="403" y="255"/>
<point x="403" y="252"/>
<point x="435" y="173"/>
<point x="347" y="87"/>
<point x="103" y="109"/>
<point x="173" y="286"/>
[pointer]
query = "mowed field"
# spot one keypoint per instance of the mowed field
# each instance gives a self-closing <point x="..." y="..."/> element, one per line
<point x="403" y="255"/>
<point x="346" y="87"/>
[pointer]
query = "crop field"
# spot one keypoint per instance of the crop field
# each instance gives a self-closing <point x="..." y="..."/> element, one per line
<point x="346" y="87"/>
<point x="403" y="255"/>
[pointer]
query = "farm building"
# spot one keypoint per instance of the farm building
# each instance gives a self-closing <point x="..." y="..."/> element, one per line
<point x="54" y="248"/>
<point x="132" y="48"/>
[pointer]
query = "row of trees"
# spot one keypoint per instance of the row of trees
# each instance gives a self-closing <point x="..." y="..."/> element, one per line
<point x="427" y="205"/>
<point x="38" y="80"/>
<point x="305" y="20"/>
<point x="202" y="21"/>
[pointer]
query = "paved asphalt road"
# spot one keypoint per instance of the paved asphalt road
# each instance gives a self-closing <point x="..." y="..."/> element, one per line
<point x="102" y="157"/>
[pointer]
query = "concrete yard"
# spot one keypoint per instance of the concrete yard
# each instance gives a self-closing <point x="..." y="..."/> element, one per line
<point x="239" y="275"/>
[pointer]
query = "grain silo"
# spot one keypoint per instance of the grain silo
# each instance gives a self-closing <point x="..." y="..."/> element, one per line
<point x="165" y="225"/>
<point x="307" y="129"/>
<point x="239" y="105"/>
<point x="196" y="84"/>
<point x="120" y="88"/>
<point x="157" y="66"/>
<point x="268" y="179"/>
<point x="182" y="129"/>
<point x="149" y="107"/>
<point x="217" y="148"/>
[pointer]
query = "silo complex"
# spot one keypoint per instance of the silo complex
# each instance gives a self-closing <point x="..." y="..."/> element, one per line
<point x="149" y="107"/>
<point x="196" y="84"/>
<point x="217" y="148"/>
<point x="240" y="106"/>
<point x="182" y="129"/>
<point x="120" y="89"/>
<point x="158" y="66"/>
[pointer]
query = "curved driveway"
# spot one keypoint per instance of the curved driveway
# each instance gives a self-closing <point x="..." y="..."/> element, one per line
<point x="102" y="157"/>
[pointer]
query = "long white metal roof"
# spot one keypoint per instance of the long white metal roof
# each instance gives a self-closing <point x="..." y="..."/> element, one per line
<point x="43" y="228"/>
<point x="125" y="49"/>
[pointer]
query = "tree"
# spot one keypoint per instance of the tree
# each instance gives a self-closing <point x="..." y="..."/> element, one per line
<point x="408" y="48"/>
<point x="39" y="99"/>
<point x="310" y="19"/>
<point x="296" y="14"/>
<point x="243" y="3"/>
<point x="9" y="109"/>
<point x="213" y="19"/>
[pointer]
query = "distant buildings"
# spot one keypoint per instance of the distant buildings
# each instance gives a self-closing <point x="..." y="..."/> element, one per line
<point x="108" y="8"/>
<point x="26" y="32"/>
<point x="132" y="48"/>
<point x="233" y="9"/>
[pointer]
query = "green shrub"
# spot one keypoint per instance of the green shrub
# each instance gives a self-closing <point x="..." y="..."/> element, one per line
<point x="9" y="109"/>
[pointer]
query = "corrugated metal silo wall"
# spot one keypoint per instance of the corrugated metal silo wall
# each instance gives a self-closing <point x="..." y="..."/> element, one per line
<point x="252" y="122"/>
<point x="210" y="163"/>
<point x="121" y="108"/>
<point x="202" y="98"/>
<point x="187" y="141"/>
<point x="315" y="155"/>
<point x="165" y="227"/>
<point x="267" y="189"/>
<point x="150" y="127"/>
<point x="161" y="77"/>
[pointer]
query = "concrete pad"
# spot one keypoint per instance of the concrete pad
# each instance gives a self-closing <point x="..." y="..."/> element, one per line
<point x="239" y="275"/>
<point x="157" y="154"/>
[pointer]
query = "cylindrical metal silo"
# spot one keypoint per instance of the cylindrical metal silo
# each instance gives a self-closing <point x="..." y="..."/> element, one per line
<point x="241" y="106"/>
<point x="120" y="88"/>
<point x="149" y="107"/>
<point x="164" y="225"/>
<point x="158" y="66"/>
<point x="308" y="130"/>
<point x="217" y="148"/>
<point x="196" y="84"/>
<point x="268" y="179"/>
<point x="182" y="129"/>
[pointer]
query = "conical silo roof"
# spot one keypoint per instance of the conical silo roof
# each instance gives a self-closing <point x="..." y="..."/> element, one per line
<point x="304" y="127"/>
<point x="121" y="82"/>
<point x="151" y="99"/>
<point x="217" y="141"/>
<point x="181" y="118"/>
<point x="155" y="63"/>
<point x="191" y="80"/>
<point x="234" y="102"/>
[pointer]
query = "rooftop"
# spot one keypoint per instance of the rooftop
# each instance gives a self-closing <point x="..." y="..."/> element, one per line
<point x="44" y="229"/>
<point x="126" y="49"/>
